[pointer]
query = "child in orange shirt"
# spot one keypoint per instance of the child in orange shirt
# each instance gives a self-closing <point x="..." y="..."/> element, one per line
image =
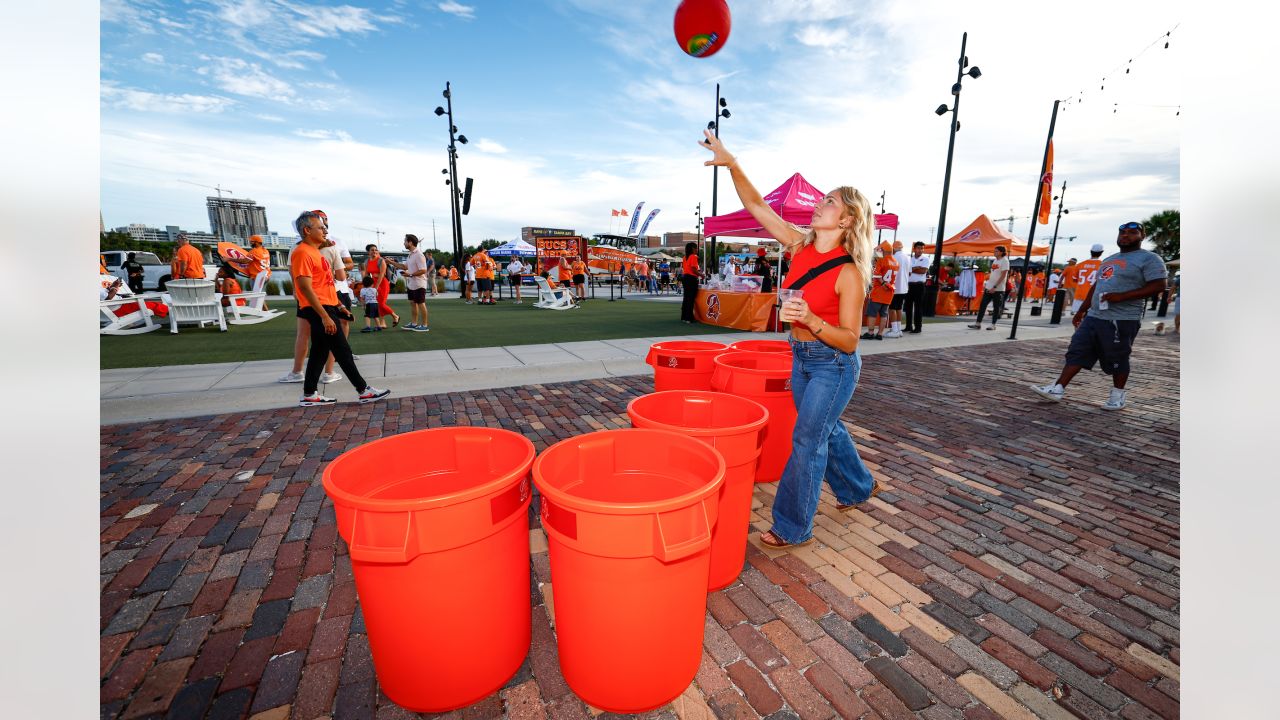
<point x="882" y="288"/>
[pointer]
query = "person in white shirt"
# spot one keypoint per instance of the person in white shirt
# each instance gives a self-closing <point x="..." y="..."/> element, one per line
<point x="516" y="270"/>
<point x="916" y="268"/>
<point x="993" y="290"/>
<point x="469" y="278"/>
<point x="899" y="291"/>
<point x="415" y="280"/>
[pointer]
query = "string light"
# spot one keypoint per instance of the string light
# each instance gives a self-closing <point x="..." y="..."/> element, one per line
<point x="1128" y="65"/>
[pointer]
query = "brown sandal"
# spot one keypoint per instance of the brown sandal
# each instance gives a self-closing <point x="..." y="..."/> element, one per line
<point x="779" y="543"/>
<point x="875" y="490"/>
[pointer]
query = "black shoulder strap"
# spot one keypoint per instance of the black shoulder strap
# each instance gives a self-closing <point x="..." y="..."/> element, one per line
<point x="831" y="264"/>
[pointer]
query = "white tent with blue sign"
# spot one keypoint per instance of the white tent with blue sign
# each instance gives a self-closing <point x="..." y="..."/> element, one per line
<point x="513" y="247"/>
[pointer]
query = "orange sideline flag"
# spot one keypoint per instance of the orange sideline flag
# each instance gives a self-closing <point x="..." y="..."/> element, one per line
<point x="1046" y="187"/>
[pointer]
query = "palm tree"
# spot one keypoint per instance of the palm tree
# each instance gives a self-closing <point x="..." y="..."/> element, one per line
<point x="1161" y="230"/>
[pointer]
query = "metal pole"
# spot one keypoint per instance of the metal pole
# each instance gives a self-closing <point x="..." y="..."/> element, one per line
<point x="931" y="294"/>
<point x="453" y="183"/>
<point x="1062" y="198"/>
<point x="715" y="177"/>
<point x="1035" y="216"/>
<point x="882" y="211"/>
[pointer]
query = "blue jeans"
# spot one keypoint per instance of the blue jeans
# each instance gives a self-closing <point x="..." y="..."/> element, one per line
<point x="822" y="384"/>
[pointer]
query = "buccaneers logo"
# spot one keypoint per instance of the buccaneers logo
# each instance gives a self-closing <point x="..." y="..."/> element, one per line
<point x="713" y="306"/>
<point x="1107" y="272"/>
<point x="673" y="361"/>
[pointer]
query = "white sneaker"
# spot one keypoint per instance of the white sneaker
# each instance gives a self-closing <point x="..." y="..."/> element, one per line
<point x="893" y="334"/>
<point x="1052" y="391"/>
<point x="372" y="394"/>
<point x="315" y="398"/>
<point x="1116" y="400"/>
<point x="326" y="378"/>
<point x="291" y="377"/>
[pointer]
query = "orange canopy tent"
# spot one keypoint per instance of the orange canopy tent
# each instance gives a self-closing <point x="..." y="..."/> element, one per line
<point x="981" y="237"/>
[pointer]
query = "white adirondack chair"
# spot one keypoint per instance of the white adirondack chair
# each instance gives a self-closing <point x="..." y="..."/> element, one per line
<point x="193" y="302"/>
<point x="553" y="299"/>
<point x="251" y="312"/>
<point x="141" y="320"/>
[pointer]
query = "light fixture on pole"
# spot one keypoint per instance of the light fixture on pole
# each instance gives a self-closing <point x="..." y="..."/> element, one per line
<point x="697" y="213"/>
<point x="722" y="111"/>
<point x="882" y="211"/>
<point x="931" y="291"/>
<point x="452" y="170"/>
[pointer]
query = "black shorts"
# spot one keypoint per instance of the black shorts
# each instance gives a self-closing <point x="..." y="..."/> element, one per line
<point x="345" y="299"/>
<point x="1108" y="342"/>
<point x="897" y="301"/>
<point x="484" y="284"/>
<point x="417" y="295"/>
<point x="516" y="280"/>
<point x="579" y="279"/>
<point x="371" y="310"/>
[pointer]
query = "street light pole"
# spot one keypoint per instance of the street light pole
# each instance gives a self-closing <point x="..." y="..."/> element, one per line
<point x="1056" y="223"/>
<point x="454" y="193"/>
<point x="931" y="292"/>
<point x="882" y="211"/>
<point x="721" y="110"/>
<point x="1035" y="216"/>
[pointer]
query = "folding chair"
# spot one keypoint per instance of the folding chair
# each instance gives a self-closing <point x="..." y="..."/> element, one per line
<point x="139" y="321"/>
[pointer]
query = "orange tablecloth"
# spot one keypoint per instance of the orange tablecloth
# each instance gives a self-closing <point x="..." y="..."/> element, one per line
<point x="743" y="311"/>
<point x="947" y="303"/>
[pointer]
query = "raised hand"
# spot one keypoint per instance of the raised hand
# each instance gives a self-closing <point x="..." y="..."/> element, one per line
<point x="722" y="156"/>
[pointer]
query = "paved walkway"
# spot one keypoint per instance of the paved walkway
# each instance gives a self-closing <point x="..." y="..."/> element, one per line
<point x="136" y="394"/>
<point x="1024" y="561"/>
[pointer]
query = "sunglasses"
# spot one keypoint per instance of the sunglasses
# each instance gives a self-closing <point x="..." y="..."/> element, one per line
<point x="1131" y="226"/>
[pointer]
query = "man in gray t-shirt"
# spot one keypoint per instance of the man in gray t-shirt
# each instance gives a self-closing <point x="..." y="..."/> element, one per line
<point x="1110" y="316"/>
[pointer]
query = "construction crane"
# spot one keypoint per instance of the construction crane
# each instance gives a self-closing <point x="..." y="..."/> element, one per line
<point x="218" y="189"/>
<point x="378" y="233"/>
<point x="1011" y="218"/>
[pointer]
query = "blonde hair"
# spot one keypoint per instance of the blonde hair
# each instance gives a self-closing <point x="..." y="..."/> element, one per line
<point x="856" y="238"/>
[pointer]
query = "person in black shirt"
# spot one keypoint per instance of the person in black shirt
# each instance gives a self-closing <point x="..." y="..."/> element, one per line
<point x="133" y="270"/>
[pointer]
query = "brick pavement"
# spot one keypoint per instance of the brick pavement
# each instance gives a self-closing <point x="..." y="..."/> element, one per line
<point x="1024" y="561"/>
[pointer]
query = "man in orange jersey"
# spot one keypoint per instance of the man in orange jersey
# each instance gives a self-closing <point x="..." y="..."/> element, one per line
<point x="884" y="284"/>
<point x="484" y="266"/>
<point x="187" y="262"/>
<point x="260" y="268"/>
<point x="318" y="304"/>
<point x="1086" y="275"/>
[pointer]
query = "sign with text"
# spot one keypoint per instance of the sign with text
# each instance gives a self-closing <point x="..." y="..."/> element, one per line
<point x="559" y="247"/>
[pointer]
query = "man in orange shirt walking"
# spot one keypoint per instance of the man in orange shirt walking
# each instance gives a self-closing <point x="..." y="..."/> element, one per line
<point x="883" y="287"/>
<point x="1086" y="274"/>
<point x="188" y="263"/>
<point x="318" y="304"/>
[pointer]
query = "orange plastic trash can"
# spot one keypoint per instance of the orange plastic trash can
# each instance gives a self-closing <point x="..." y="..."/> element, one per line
<point x="437" y="525"/>
<point x="774" y="346"/>
<point x="765" y="378"/>
<point x="734" y="426"/>
<point x="683" y="364"/>
<point x="628" y="516"/>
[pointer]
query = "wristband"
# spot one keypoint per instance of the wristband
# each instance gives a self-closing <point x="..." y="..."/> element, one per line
<point x="819" y="330"/>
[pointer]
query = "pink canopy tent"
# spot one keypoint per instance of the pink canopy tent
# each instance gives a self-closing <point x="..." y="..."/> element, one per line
<point x="793" y="200"/>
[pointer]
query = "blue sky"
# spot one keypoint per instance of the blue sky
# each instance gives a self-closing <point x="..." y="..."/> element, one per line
<point x="576" y="107"/>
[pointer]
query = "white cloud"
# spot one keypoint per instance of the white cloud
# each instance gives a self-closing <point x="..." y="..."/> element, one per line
<point x="269" y="118"/>
<point x="142" y="101"/>
<point x="245" y="78"/>
<point x="322" y="21"/>
<point x="454" y="8"/>
<point x="341" y="135"/>
<point x="153" y="58"/>
<point x="489" y="146"/>
<point x="815" y="36"/>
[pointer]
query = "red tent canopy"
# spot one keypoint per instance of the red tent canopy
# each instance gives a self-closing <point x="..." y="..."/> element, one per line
<point x="794" y="200"/>
<point x="981" y="237"/>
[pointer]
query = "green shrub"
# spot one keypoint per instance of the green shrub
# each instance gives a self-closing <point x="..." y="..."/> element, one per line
<point x="399" y="286"/>
<point x="288" y="287"/>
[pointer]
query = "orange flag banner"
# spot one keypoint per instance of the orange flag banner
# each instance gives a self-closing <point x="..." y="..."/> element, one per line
<point x="615" y="213"/>
<point x="1046" y="187"/>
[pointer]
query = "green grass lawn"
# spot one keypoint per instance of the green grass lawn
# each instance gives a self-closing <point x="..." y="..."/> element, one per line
<point x="453" y="325"/>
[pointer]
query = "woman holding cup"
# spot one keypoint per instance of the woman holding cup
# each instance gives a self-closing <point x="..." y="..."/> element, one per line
<point x="832" y="262"/>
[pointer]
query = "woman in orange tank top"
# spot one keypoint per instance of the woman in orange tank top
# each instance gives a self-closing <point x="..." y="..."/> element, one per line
<point x="832" y="260"/>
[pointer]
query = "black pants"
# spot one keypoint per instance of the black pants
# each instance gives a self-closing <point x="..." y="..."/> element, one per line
<point x="997" y="298"/>
<point x="135" y="283"/>
<point x="913" y="306"/>
<point x="322" y="344"/>
<point x="690" y="283"/>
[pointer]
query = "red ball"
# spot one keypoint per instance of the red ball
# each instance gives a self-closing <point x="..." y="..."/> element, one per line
<point x="702" y="26"/>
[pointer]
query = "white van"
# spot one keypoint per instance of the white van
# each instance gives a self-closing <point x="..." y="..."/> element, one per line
<point x="155" y="272"/>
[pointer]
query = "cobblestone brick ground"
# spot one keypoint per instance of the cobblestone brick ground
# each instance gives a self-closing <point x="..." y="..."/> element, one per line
<point x="1023" y="563"/>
